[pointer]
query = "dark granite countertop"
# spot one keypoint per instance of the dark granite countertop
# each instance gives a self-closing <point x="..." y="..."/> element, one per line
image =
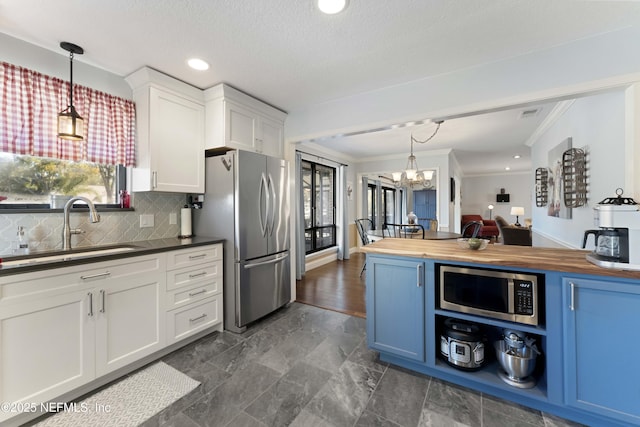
<point x="143" y="247"/>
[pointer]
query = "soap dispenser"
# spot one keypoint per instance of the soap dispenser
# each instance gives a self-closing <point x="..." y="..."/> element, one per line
<point x="22" y="244"/>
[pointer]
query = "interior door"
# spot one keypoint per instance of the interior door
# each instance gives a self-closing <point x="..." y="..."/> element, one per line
<point x="424" y="206"/>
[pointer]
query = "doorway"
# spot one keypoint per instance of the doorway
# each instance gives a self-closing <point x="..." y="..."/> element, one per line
<point x="424" y="206"/>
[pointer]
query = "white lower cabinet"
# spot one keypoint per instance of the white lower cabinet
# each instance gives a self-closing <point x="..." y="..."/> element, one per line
<point x="62" y="328"/>
<point x="130" y="322"/>
<point x="194" y="291"/>
<point x="47" y="348"/>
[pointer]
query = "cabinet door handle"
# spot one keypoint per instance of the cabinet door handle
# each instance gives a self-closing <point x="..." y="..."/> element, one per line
<point x="195" y="319"/>
<point x="193" y="294"/>
<point x="572" y="305"/>
<point x="419" y="269"/>
<point x="90" y="314"/>
<point x="197" y="256"/>
<point x="154" y="179"/>
<point x="102" y="295"/>
<point x="95" y="276"/>
<point x="193" y="276"/>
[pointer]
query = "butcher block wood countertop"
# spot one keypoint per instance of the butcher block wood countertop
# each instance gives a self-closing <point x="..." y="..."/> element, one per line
<point x="562" y="260"/>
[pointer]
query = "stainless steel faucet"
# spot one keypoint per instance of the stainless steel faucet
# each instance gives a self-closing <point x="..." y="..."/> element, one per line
<point x="67" y="231"/>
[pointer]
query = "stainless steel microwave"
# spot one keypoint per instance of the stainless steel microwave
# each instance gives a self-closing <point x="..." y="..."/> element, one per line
<point x="504" y="295"/>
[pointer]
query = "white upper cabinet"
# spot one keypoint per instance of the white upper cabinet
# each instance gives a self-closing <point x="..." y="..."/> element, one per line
<point x="236" y="120"/>
<point x="170" y="134"/>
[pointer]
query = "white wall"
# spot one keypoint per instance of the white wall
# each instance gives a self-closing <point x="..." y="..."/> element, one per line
<point x="593" y="63"/>
<point x="30" y="56"/>
<point x="596" y="124"/>
<point x="478" y="192"/>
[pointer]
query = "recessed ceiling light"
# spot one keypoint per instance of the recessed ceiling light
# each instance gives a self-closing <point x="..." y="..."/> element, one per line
<point x="507" y="168"/>
<point x="198" y="64"/>
<point x="517" y="156"/>
<point x="331" y="7"/>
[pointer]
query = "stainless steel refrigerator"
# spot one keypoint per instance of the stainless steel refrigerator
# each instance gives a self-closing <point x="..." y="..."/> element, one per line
<point x="247" y="202"/>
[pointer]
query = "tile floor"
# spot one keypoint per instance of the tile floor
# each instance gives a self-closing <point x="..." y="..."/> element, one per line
<point x="305" y="366"/>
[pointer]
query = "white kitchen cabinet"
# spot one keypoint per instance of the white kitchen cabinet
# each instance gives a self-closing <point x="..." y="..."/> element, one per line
<point x="129" y="312"/>
<point x="62" y="328"/>
<point x="239" y="121"/>
<point x="47" y="347"/>
<point x="170" y="134"/>
<point x="194" y="291"/>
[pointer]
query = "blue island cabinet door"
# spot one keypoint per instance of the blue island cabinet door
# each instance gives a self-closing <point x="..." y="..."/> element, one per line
<point x="396" y="307"/>
<point x="602" y="347"/>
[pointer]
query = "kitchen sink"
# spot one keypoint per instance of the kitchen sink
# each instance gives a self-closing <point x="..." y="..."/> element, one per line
<point x="56" y="256"/>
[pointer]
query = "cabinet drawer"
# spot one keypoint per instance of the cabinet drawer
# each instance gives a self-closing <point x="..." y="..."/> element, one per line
<point x="180" y="297"/>
<point x="68" y="279"/>
<point x="186" y="257"/>
<point x="186" y="321"/>
<point x="192" y="275"/>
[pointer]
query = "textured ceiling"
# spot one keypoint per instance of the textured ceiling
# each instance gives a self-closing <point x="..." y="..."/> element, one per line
<point x="291" y="55"/>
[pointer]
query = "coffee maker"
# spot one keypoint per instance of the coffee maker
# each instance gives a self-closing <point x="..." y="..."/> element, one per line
<point x="618" y="238"/>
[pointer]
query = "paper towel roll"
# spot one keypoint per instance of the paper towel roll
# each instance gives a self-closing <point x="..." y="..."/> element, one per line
<point x="185" y="222"/>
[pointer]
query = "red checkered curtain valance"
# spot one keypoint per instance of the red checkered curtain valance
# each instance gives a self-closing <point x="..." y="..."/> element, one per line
<point x="29" y="107"/>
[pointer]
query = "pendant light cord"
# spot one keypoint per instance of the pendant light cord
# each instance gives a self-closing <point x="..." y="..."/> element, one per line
<point x="438" y="123"/>
<point x="71" y="84"/>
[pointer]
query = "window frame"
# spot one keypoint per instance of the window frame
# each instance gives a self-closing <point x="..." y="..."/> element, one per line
<point x="314" y="229"/>
<point x="119" y="185"/>
<point x="374" y="205"/>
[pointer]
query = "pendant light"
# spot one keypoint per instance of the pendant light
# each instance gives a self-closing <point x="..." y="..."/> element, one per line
<point x="412" y="175"/>
<point x="70" y="124"/>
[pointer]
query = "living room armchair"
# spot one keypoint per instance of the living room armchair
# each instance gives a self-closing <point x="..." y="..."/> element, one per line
<point x="513" y="234"/>
<point x="488" y="230"/>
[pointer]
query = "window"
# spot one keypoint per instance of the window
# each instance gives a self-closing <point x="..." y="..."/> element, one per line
<point x="319" y="189"/>
<point x="387" y="207"/>
<point x="38" y="169"/>
<point x="28" y="182"/>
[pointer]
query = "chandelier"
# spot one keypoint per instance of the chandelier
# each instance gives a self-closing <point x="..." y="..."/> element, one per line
<point x="412" y="176"/>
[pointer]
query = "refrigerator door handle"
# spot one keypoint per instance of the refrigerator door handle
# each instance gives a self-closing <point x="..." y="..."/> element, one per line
<point x="263" y="188"/>
<point x="273" y="204"/>
<point x="271" y="261"/>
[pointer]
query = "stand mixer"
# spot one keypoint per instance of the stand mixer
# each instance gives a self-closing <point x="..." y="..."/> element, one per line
<point x="517" y="355"/>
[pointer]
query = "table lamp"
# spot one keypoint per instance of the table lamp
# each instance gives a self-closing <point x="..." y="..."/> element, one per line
<point x="517" y="211"/>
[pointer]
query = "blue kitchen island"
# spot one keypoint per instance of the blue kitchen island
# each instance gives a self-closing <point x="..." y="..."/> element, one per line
<point x="588" y="332"/>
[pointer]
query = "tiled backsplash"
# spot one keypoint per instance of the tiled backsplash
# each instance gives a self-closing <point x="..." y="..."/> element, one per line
<point x="44" y="230"/>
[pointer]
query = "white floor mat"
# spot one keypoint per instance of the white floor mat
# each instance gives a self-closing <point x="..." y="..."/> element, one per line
<point x="128" y="402"/>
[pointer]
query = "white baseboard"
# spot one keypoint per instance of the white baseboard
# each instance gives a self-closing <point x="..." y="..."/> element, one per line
<point x="320" y="258"/>
<point x="546" y="241"/>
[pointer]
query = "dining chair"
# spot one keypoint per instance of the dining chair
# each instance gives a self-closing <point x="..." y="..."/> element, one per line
<point x="363" y="225"/>
<point x="404" y="231"/>
<point x="477" y="225"/>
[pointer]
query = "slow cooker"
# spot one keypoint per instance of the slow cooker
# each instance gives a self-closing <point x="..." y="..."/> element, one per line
<point x="462" y="344"/>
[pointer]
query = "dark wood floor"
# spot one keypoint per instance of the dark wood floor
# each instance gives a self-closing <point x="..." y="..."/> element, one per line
<point x="335" y="286"/>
